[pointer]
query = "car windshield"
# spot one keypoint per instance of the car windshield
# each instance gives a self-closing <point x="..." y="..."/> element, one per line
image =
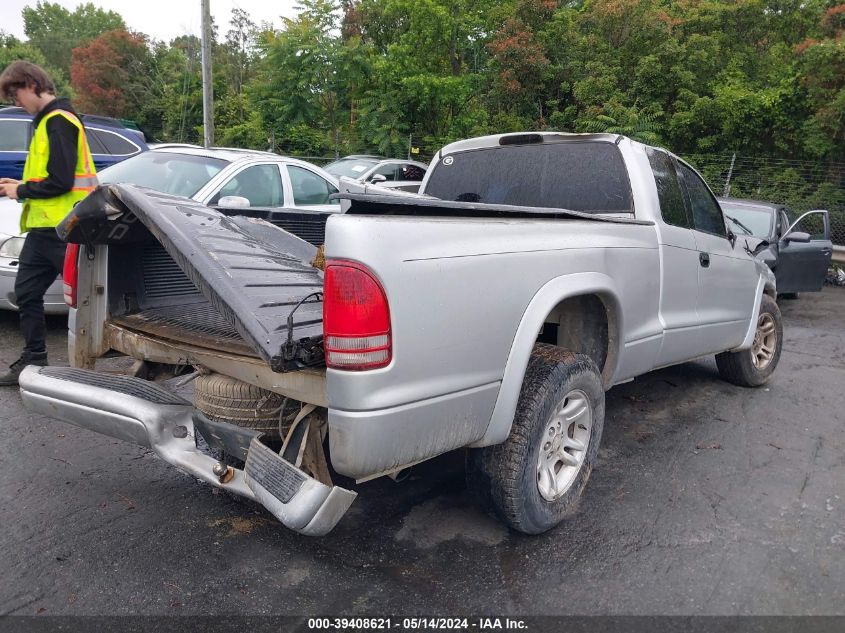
<point x="756" y="221"/>
<point x="351" y="167"/>
<point x="169" y="172"/>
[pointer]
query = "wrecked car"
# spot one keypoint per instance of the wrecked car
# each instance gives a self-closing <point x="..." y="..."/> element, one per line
<point x="489" y="315"/>
<point x="799" y="252"/>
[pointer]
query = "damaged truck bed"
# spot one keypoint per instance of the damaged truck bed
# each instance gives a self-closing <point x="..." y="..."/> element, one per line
<point x="191" y="286"/>
<point x="489" y="314"/>
<point x="231" y="277"/>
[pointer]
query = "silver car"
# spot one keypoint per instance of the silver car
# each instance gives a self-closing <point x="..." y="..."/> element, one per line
<point x="404" y="175"/>
<point x="254" y="182"/>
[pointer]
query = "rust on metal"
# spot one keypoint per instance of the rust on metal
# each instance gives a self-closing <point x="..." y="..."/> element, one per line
<point x="307" y="385"/>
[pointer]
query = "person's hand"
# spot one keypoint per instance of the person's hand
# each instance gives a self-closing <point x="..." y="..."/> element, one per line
<point x="9" y="187"/>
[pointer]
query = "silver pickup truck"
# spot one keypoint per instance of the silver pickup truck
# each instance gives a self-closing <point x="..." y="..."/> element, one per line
<point x="490" y="314"/>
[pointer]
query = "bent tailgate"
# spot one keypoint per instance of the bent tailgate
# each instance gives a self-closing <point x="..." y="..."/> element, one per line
<point x="256" y="275"/>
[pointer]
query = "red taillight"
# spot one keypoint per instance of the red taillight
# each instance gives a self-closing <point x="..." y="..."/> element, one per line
<point x="356" y="318"/>
<point x="70" y="274"/>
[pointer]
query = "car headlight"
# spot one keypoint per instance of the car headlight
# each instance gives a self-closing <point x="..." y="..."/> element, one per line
<point x="11" y="248"/>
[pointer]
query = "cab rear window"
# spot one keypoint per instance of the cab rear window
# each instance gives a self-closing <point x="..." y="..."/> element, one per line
<point x="580" y="176"/>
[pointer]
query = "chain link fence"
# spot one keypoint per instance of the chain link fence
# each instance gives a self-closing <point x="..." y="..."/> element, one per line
<point x="800" y="185"/>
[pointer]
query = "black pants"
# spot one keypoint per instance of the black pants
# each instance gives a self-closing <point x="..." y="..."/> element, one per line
<point x="41" y="261"/>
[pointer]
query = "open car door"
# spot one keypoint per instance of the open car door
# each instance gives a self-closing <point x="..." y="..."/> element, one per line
<point x="804" y="254"/>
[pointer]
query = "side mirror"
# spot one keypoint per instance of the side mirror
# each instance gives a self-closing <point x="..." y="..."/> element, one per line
<point x="797" y="236"/>
<point x="233" y="202"/>
<point x="732" y="238"/>
<point x="377" y="178"/>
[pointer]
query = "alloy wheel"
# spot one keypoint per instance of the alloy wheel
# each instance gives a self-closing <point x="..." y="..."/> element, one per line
<point x="565" y="441"/>
<point x="765" y="342"/>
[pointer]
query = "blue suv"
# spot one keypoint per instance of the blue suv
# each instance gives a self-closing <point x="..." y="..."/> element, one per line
<point x="109" y="139"/>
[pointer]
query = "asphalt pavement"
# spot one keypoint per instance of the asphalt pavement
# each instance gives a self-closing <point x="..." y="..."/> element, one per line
<point x="707" y="499"/>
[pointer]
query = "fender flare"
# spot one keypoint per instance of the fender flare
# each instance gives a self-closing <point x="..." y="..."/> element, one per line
<point x="546" y="298"/>
<point x="762" y="286"/>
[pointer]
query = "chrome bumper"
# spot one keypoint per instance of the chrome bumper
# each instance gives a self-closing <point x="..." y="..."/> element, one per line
<point x="146" y="414"/>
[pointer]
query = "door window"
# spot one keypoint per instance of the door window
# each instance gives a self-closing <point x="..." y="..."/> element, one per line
<point x="412" y="172"/>
<point x="388" y="171"/>
<point x="260" y="184"/>
<point x="115" y="144"/>
<point x="672" y="206"/>
<point x="14" y="136"/>
<point x="95" y="143"/>
<point x="706" y="212"/>
<point x="813" y="224"/>
<point x="308" y="188"/>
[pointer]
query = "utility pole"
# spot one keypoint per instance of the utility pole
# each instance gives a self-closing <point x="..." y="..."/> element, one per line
<point x="207" y="94"/>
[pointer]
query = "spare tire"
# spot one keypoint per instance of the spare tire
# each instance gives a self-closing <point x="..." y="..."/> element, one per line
<point x="226" y="399"/>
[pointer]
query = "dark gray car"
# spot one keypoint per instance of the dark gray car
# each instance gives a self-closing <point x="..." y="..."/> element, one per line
<point x="797" y="251"/>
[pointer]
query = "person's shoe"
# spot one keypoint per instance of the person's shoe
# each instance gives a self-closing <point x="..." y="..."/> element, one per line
<point x="27" y="358"/>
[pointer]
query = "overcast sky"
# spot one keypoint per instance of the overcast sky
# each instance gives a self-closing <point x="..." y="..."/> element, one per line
<point x="162" y="19"/>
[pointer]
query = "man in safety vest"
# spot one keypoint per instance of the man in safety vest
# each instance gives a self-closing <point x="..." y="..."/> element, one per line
<point x="59" y="172"/>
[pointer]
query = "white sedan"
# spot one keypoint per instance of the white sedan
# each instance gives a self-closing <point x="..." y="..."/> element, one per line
<point x="227" y="178"/>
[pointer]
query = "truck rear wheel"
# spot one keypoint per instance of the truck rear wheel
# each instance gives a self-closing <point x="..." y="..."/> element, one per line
<point x="534" y="479"/>
<point x="753" y="367"/>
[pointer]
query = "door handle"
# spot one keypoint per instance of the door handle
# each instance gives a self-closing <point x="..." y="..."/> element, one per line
<point x="704" y="259"/>
<point x="827" y="251"/>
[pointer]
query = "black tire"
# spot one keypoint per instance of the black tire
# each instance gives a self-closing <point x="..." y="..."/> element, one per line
<point x="753" y="367"/>
<point x="508" y="476"/>
<point x="226" y="399"/>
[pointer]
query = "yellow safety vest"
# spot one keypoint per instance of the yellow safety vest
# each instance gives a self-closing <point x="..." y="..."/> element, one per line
<point x="48" y="212"/>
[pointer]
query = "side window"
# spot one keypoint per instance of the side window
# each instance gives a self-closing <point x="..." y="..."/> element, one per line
<point x="812" y="224"/>
<point x="95" y="142"/>
<point x="260" y="184"/>
<point x="672" y="206"/>
<point x="116" y="144"/>
<point x="412" y="172"/>
<point x="14" y="136"/>
<point x="388" y="171"/>
<point x="706" y="212"/>
<point x="308" y="188"/>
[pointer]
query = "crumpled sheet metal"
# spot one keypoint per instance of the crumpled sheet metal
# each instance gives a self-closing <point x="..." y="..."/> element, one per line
<point x="253" y="273"/>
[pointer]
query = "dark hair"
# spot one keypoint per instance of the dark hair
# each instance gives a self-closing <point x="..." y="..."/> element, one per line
<point x="21" y="74"/>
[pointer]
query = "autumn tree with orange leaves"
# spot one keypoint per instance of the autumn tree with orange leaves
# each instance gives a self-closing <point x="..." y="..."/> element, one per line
<point x="110" y="75"/>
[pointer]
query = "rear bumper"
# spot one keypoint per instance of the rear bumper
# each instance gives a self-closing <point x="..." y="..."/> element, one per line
<point x="146" y="414"/>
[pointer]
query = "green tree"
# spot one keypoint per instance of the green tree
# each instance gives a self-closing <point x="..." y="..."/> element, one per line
<point x="175" y="109"/>
<point x="425" y="61"/>
<point x="12" y="49"/>
<point x="55" y="31"/>
<point x="297" y="82"/>
<point x="822" y="67"/>
<point x="615" y="118"/>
